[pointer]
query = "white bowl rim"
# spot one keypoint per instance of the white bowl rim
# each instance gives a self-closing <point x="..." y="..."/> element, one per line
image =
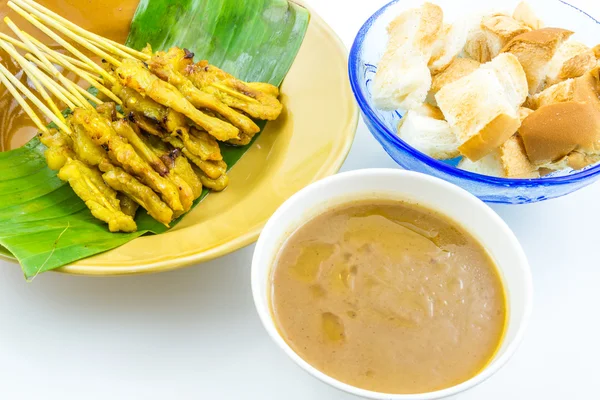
<point x="258" y="274"/>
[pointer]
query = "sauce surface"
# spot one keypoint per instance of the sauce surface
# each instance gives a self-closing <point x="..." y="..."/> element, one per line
<point x="390" y="297"/>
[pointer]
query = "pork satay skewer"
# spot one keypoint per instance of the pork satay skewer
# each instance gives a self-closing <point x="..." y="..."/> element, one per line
<point x="122" y="153"/>
<point x="125" y="130"/>
<point x="125" y="183"/>
<point x="101" y="199"/>
<point x="93" y="154"/>
<point x="135" y="75"/>
<point x="85" y="181"/>
<point x="161" y="65"/>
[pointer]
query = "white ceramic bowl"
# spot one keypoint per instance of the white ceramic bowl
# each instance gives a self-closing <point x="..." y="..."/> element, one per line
<point x="461" y="206"/>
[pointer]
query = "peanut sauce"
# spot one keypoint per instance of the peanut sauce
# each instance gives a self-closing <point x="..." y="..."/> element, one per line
<point x="390" y="297"/>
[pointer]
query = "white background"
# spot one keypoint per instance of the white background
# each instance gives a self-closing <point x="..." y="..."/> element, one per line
<point x="194" y="333"/>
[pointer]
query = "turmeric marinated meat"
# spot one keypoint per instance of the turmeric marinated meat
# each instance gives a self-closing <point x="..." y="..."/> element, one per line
<point x="160" y="147"/>
<point x="123" y="154"/>
<point x="102" y="201"/>
<point x="142" y="194"/>
<point x="217" y="185"/>
<point x="133" y="74"/>
<point x="175" y="162"/>
<point x="233" y="92"/>
<point x="165" y="66"/>
<point x="85" y="148"/>
<point x="159" y="120"/>
<point x="184" y="170"/>
<point x="128" y="205"/>
<point x="59" y="148"/>
<point x="201" y="144"/>
<point x="123" y="129"/>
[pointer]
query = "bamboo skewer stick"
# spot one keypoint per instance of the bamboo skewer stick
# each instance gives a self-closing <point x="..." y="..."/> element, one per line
<point x="58" y="90"/>
<point x="41" y="70"/>
<point x="55" y="73"/>
<point x="89" y="79"/>
<point x="107" y="44"/>
<point x="83" y="42"/>
<point x="73" y="68"/>
<point x="76" y="93"/>
<point x="29" y="71"/>
<point x="87" y="95"/>
<point x="41" y="65"/>
<point x="40" y="88"/>
<point x="73" y="87"/>
<point x="92" y="80"/>
<point x="49" y="52"/>
<point x="55" y="37"/>
<point x="60" y="59"/>
<point x="28" y="110"/>
<point x="56" y="54"/>
<point x="37" y="102"/>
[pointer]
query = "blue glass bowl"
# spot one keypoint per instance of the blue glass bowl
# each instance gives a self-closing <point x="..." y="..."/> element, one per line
<point x="366" y="51"/>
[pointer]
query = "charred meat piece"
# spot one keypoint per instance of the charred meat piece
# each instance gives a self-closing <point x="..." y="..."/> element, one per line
<point x="165" y="66"/>
<point x="133" y="74"/>
<point x="121" y="153"/>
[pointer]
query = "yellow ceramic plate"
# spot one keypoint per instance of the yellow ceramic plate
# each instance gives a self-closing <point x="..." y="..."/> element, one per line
<point x="308" y="142"/>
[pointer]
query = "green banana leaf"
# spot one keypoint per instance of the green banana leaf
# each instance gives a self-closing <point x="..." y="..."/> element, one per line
<point x="254" y="40"/>
<point x="42" y="222"/>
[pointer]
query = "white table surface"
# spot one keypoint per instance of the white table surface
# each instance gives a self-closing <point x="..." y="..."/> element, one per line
<point x="194" y="333"/>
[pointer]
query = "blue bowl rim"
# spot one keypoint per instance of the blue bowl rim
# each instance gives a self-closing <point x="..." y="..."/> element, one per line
<point x="353" y="64"/>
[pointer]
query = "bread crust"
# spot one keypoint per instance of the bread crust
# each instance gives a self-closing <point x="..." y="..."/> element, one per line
<point x="514" y="160"/>
<point x="534" y="50"/>
<point x="503" y="26"/>
<point x="572" y="60"/>
<point x="494" y="32"/>
<point x="482" y="107"/>
<point x="585" y="88"/>
<point x="492" y="136"/>
<point x="555" y="130"/>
